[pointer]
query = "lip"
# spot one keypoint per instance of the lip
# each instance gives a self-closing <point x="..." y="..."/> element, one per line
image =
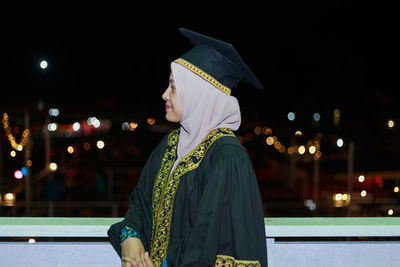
<point x="167" y="107"/>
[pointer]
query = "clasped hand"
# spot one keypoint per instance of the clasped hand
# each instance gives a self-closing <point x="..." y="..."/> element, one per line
<point x="134" y="254"/>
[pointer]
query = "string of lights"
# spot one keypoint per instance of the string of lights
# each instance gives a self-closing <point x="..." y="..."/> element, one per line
<point x="24" y="138"/>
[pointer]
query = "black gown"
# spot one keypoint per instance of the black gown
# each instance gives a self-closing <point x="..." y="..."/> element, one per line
<point x="207" y="213"/>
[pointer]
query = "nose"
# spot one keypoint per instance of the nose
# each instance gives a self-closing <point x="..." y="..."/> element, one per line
<point x="166" y="94"/>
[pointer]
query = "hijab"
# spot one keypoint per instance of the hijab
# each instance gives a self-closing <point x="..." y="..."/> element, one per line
<point x="204" y="108"/>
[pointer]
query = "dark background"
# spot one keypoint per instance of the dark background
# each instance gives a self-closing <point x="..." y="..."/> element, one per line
<point x="113" y="61"/>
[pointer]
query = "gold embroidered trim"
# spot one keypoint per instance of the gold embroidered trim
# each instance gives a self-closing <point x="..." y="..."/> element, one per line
<point x="204" y="75"/>
<point x="228" y="261"/>
<point x="165" y="188"/>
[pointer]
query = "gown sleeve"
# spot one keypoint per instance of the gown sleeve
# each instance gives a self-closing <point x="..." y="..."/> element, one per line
<point x="138" y="217"/>
<point x="228" y="229"/>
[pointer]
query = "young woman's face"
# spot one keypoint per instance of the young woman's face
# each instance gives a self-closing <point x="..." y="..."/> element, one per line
<point x="172" y="108"/>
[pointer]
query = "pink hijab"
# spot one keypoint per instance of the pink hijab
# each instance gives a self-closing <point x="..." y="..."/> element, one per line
<point x="204" y="109"/>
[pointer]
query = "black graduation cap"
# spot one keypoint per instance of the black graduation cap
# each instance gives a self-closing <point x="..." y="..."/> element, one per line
<point x="216" y="61"/>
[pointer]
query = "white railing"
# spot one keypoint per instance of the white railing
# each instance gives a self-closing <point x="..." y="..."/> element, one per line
<point x="290" y="242"/>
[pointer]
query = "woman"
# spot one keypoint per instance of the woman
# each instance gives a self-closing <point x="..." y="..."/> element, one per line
<point x="197" y="202"/>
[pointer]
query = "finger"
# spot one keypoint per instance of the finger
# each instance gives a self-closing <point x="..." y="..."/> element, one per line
<point x="143" y="258"/>
<point x="132" y="262"/>
<point x="147" y="259"/>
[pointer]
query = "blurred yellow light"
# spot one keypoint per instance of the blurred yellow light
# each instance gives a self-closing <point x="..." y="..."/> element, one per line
<point x="390" y="123"/>
<point x="302" y="149"/>
<point x="133" y="125"/>
<point x="100" y="144"/>
<point x="338" y="197"/>
<point x="13" y="153"/>
<point x="396" y="189"/>
<point x="28" y="163"/>
<point x="277" y="145"/>
<point x="363" y="193"/>
<point x="70" y="149"/>
<point x="298" y="133"/>
<point x="290" y="150"/>
<point x="336" y="113"/>
<point x="311" y="149"/>
<point x="9" y="197"/>
<point x="53" y="166"/>
<point x="257" y="130"/>
<point x="390" y="212"/>
<point x="266" y="130"/>
<point x="344" y="197"/>
<point x="270" y="140"/>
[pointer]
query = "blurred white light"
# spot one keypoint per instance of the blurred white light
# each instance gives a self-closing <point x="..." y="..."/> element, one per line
<point x="316" y="116"/>
<point x="396" y="189"/>
<point x="361" y="178"/>
<point x="93" y="121"/>
<point x="310" y="204"/>
<point x="291" y="116"/>
<point x="13" y="153"/>
<point x="31" y="241"/>
<point x="125" y="126"/>
<point x="339" y="142"/>
<point x="390" y="123"/>
<point x="100" y="144"/>
<point x="363" y="193"/>
<point x="270" y="140"/>
<point x="18" y="174"/>
<point x="52" y="126"/>
<point x="43" y="64"/>
<point x="338" y="196"/>
<point x="54" y="112"/>
<point x="302" y="149"/>
<point x="312" y="149"/>
<point x="53" y="166"/>
<point x="390" y="212"/>
<point x="76" y="126"/>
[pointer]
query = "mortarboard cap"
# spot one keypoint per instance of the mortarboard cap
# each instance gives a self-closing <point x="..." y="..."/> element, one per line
<point x="216" y="61"/>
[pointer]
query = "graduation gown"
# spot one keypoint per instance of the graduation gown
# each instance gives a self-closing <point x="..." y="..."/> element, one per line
<point x="207" y="213"/>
